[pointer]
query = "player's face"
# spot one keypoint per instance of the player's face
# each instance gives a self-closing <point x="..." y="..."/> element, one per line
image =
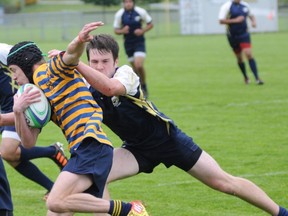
<point x="128" y="4"/>
<point x="18" y="75"/>
<point x="103" y="62"/>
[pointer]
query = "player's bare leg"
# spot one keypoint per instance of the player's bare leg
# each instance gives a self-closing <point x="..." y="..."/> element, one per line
<point x="138" y="67"/>
<point x="209" y="172"/>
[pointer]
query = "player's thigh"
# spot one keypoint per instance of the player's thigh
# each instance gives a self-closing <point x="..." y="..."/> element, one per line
<point x="68" y="183"/>
<point x="124" y="165"/>
<point x="208" y="171"/>
<point x="9" y="148"/>
<point x="139" y="60"/>
<point x="247" y="52"/>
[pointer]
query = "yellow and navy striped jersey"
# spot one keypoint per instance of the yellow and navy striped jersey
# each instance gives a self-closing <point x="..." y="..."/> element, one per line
<point x="73" y="107"/>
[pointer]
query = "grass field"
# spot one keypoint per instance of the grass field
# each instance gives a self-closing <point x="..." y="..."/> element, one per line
<point x="195" y="81"/>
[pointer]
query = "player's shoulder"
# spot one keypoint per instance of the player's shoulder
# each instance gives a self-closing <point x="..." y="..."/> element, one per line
<point x="4" y="51"/>
<point x="140" y="10"/>
<point x="119" y="12"/>
<point x="244" y="3"/>
<point x="227" y="4"/>
<point x="126" y="72"/>
<point x="124" y="69"/>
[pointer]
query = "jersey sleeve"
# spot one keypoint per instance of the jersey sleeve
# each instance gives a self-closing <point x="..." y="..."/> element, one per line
<point x="117" y="19"/>
<point x="128" y="78"/>
<point x="57" y="67"/>
<point x="248" y="8"/>
<point x="224" y="11"/>
<point x="144" y="15"/>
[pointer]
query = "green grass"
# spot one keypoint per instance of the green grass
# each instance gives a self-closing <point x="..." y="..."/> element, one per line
<point x="195" y="81"/>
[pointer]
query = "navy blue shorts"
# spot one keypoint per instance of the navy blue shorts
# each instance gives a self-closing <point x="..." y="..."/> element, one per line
<point x="10" y="128"/>
<point x="94" y="159"/>
<point x="131" y="48"/>
<point x="180" y="151"/>
<point x="239" y="42"/>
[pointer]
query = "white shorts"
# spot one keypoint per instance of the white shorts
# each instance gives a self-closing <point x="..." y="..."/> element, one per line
<point x="137" y="54"/>
<point x="10" y="134"/>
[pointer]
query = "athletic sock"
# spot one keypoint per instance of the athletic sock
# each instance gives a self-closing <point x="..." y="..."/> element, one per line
<point x="30" y="171"/>
<point x="119" y="208"/>
<point x="282" y="211"/>
<point x="253" y="67"/>
<point x="243" y="69"/>
<point x="36" y="152"/>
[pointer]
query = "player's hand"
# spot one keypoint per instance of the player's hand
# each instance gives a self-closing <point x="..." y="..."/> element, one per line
<point x="239" y="19"/>
<point x="53" y="53"/>
<point x="138" y="32"/>
<point x="22" y="102"/>
<point x="125" y="29"/>
<point x="84" y="34"/>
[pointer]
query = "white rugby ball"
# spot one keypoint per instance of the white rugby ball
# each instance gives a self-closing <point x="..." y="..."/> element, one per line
<point x="37" y="114"/>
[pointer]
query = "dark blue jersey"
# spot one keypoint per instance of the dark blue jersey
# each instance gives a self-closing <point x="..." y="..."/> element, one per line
<point x="8" y="88"/>
<point x="231" y="10"/>
<point x="134" y="19"/>
<point x="148" y="134"/>
<point x="135" y="120"/>
<point x="131" y="122"/>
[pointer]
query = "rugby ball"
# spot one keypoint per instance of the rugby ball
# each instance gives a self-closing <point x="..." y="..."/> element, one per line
<point x="37" y="114"/>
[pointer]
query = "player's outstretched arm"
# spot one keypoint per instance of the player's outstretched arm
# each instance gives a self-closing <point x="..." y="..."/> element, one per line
<point x="102" y="83"/>
<point x="77" y="46"/>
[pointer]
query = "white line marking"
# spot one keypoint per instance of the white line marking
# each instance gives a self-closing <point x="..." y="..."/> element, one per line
<point x="256" y="103"/>
<point x="246" y="175"/>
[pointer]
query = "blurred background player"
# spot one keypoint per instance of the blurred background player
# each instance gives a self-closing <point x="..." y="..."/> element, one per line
<point x="11" y="149"/>
<point x="128" y="21"/>
<point x="234" y="14"/>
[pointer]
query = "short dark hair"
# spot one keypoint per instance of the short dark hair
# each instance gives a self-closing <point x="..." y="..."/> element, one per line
<point x="104" y="43"/>
<point x="25" y="55"/>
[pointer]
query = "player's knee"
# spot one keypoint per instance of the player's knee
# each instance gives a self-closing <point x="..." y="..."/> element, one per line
<point x="223" y="185"/>
<point x="54" y="205"/>
<point x="8" y="155"/>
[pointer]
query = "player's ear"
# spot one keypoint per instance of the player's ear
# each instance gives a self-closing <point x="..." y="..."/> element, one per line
<point x="116" y="62"/>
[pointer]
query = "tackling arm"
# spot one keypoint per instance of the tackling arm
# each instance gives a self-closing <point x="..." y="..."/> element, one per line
<point x="102" y="83"/>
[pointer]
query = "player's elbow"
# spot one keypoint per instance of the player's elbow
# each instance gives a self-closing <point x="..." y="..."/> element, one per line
<point x="27" y="144"/>
<point x="109" y="91"/>
<point x="117" y="31"/>
<point x="151" y="25"/>
<point x="222" y="22"/>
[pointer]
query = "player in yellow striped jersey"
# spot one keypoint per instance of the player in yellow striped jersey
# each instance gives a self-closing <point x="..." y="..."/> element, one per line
<point x="79" y="116"/>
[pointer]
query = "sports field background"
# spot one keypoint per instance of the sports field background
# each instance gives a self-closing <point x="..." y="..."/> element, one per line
<point x="195" y="81"/>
